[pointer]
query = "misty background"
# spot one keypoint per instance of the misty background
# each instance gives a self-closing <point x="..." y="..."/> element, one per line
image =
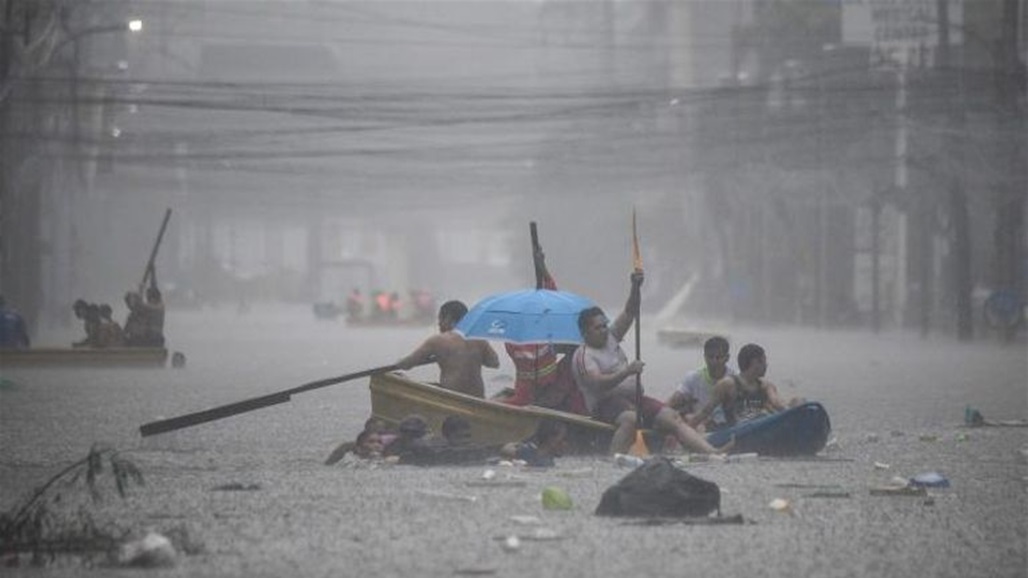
<point x="828" y="163"/>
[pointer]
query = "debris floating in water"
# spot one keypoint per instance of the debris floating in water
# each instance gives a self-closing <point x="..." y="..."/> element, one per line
<point x="151" y="551"/>
<point x="512" y="543"/>
<point x="525" y="520"/>
<point x="929" y="480"/>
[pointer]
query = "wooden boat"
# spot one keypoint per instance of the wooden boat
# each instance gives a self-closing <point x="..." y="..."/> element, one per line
<point x="799" y="431"/>
<point x="84" y="357"/>
<point x="394" y="396"/>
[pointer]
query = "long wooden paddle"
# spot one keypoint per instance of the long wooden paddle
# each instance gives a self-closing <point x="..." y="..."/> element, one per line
<point x="535" y="255"/>
<point x="153" y="252"/>
<point x="639" y="446"/>
<point x="223" y="411"/>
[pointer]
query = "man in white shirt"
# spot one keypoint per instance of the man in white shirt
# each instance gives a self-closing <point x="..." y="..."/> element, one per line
<point x="695" y="390"/>
<point x="609" y="381"/>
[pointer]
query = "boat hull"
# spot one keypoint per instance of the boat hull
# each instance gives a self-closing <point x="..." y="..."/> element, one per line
<point x="84" y="357"/>
<point x="394" y="396"/>
<point x="798" y="431"/>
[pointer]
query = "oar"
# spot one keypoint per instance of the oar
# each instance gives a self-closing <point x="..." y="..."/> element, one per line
<point x="535" y="255"/>
<point x="156" y="245"/>
<point x="223" y="411"/>
<point x="639" y="447"/>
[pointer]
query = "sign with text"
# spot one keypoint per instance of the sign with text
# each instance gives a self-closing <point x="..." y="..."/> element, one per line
<point x="901" y="33"/>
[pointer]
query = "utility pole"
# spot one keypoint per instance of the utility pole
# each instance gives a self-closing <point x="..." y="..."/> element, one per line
<point x="959" y="217"/>
<point x="1011" y="80"/>
<point x="876" y="217"/>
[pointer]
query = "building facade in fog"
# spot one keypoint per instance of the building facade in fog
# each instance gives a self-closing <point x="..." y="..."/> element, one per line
<point x="798" y="161"/>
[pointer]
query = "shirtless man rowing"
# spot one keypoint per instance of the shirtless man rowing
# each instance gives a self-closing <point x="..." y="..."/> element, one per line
<point x="460" y="360"/>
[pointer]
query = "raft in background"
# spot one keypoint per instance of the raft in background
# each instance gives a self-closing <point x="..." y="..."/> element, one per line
<point x="84" y="357"/>
<point x="394" y="397"/>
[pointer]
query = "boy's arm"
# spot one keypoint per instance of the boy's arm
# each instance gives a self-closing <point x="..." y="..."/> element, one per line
<point x="719" y="396"/>
<point x="680" y="400"/>
<point x="773" y="400"/>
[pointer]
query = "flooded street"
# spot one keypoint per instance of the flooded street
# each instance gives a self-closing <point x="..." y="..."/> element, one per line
<point x="843" y="180"/>
<point x="894" y="399"/>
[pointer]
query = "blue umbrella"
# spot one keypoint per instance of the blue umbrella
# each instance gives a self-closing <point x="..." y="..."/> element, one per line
<point x="526" y="316"/>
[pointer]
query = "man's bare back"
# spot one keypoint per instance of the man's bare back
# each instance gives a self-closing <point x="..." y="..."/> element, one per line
<point x="460" y="360"/>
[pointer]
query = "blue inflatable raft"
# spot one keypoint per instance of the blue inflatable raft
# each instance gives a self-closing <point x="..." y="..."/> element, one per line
<point x="799" y="431"/>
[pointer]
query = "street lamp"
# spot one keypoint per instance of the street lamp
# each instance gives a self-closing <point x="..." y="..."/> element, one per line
<point x="133" y="26"/>
<point x="75" y="38"/>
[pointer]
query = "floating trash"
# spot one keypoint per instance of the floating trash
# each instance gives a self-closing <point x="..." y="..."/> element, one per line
<point x="627" y="461"/>
<point x="841" y="495"/>
<point x="151" y="551"/>
<point x="554" y="498"/>
<point x="881" y="466"/>
<point x="929" y="480"/>
<point x="780" y="505"/>
<point x="236" y="487"/>
<point x="512" y="543"/>
<point x="899" y="482"/>
<point x="973" y="417"/>
<point x="526" y="520"/>
<point x="898" y="491"/>
<point x="488" y="474"/>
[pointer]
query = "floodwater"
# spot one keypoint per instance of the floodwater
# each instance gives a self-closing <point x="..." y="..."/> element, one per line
<point x="894" y="399"/>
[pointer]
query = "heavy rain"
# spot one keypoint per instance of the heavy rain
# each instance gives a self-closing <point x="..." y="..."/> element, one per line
<point x="305" y="182"/>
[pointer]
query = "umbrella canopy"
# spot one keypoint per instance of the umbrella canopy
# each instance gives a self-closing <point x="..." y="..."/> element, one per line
<point x="526" y="316"/>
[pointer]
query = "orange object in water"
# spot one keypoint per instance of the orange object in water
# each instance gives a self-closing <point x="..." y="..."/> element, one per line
<point x="639" y="448"/>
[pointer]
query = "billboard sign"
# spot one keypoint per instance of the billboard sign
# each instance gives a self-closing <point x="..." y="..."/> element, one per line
<point x="901" y="33"/>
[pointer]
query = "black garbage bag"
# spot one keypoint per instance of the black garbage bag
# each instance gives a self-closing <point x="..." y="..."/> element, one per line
<point x="659" y="489"/>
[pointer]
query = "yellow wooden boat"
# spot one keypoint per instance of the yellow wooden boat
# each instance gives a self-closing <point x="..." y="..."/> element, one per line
<point x="84" y="357"/>
<point x="394" y="396"/>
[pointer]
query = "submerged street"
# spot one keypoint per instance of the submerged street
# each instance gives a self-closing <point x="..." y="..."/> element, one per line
<point x="841" y="182"/>
<point x="894" y="399"/>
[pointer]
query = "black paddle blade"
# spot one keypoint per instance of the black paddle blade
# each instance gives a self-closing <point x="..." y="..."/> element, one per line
<point x="215" y="413"/>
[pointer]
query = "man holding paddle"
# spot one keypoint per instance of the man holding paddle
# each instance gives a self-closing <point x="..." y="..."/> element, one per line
<point x="610" y="382"/>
